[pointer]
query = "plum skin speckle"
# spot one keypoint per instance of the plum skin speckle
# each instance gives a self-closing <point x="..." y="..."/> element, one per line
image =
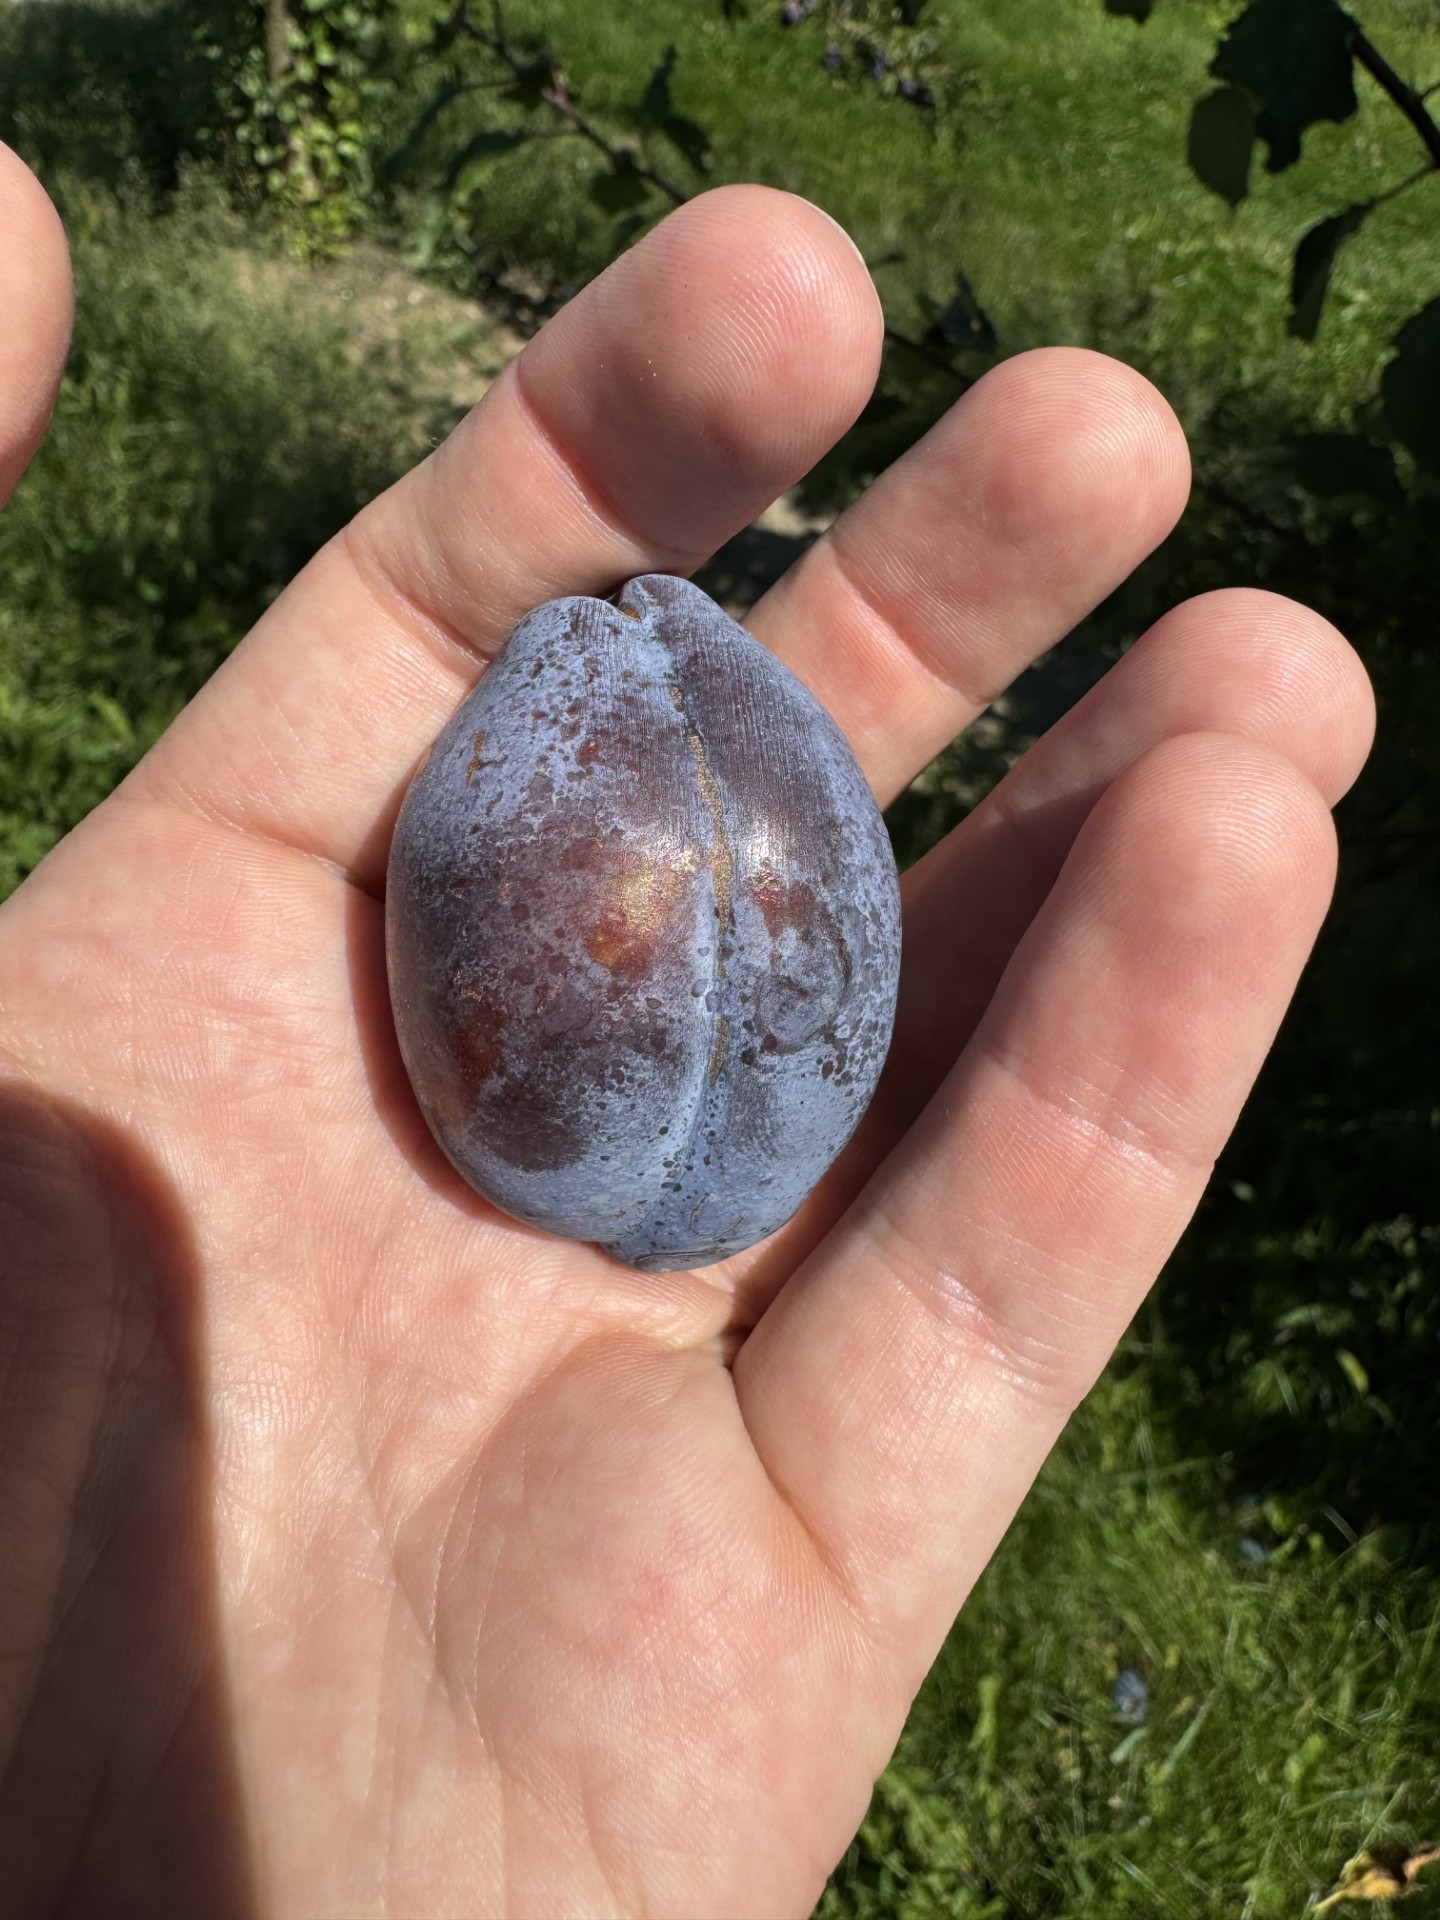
<point x="642" y="930"/>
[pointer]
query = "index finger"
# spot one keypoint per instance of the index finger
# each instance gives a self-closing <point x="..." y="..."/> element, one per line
<point x="652" y="418"/>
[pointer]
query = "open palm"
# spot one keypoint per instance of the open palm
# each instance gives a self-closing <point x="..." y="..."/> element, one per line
<point x="366" y="1553"/>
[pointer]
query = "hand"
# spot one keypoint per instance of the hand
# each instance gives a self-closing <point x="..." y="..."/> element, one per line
<point x="365" y="1553"/>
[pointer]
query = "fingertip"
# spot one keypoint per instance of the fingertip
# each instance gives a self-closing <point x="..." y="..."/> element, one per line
<point x="1131" y="423"/>
<point x="36" y="300"/>
<point x="788" y="286"/>
<point x="1098" y="454"/>
<point x="1275" y="667"/>
<point x="742" y="334"/>
<point x="1216" y="842"/>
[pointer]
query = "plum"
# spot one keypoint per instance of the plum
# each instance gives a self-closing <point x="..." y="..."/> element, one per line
<point x="643" y="930"/>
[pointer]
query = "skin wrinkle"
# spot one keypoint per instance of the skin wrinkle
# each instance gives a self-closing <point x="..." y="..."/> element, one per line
<point x="400" y="1398"/>
<point x="964" y="630"/>
<point x="509" y="575"/>
<point x="969" y="1324"/>
<point x="207" y="812"/>
<point x="385" y="1761"/>
<point x="469" y="1486"/>
<point x="976" y="1314"/>
<point x="938" y="1398"/>
<point x="594" y="1829"/>
<point x="1128" y="1138"/>
<point x="883" y="629"/>
<point x="382" y="1539"/>
<point x="948" y="1394"/>
<point x="829" y="1563"/>
<point x="447" y="643"/>
<point x="643" y="554"/>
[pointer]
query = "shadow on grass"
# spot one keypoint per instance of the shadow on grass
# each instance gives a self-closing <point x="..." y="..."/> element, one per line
<point x="749" y="565"/>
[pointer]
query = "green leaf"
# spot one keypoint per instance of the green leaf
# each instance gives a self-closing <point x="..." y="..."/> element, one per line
<point x="1410" y="387"/>
<point x="1353" y="1371"/>
<point x="1131" y="9"/>
<point x="1314" y="263"/>
<point x="114" y="716"/>
<point x="1294" y="57"/>
<point x="1222" y="142"/>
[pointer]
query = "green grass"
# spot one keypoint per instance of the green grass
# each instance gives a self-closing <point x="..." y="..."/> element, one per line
<point x="208" y="438"/>
<point x="1294" y="1712"/>
<point x="1061" y="189"/>
<point x="1085" y="222"/>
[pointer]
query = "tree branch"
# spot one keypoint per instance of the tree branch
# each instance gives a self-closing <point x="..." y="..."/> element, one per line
<point x="278" y="28"/>
<point x="1410" y="103"/>
<point x="557" y="97"/>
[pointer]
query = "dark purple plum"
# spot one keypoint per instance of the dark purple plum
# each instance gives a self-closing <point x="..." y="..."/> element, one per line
<point x="643" y="930"/>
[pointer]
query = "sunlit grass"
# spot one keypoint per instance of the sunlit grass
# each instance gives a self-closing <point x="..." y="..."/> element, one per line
<point x="1293" y="1714"/>
<point x="1064" y="195"/>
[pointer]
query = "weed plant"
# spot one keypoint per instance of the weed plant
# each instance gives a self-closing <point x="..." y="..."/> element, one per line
<point x="209" y="437"/>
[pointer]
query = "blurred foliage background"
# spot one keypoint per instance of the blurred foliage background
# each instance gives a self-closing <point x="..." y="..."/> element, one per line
<point x="1205" y="1668"/>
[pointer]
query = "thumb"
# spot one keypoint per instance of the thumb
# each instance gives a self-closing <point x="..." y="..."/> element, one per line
<point x="35" y="299"/>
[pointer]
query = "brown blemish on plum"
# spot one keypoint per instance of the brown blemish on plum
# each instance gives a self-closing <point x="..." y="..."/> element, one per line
<point x="638" y="907"/>
<point x="477" y="1041"/>
<point x="792" y="904"/>
<point x="477" y="748"/>
<point x="722" y="860"/>
<point x="783" y="903"/>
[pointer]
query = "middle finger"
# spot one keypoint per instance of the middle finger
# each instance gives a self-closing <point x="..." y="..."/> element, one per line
<point x="1033" y="498"/>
